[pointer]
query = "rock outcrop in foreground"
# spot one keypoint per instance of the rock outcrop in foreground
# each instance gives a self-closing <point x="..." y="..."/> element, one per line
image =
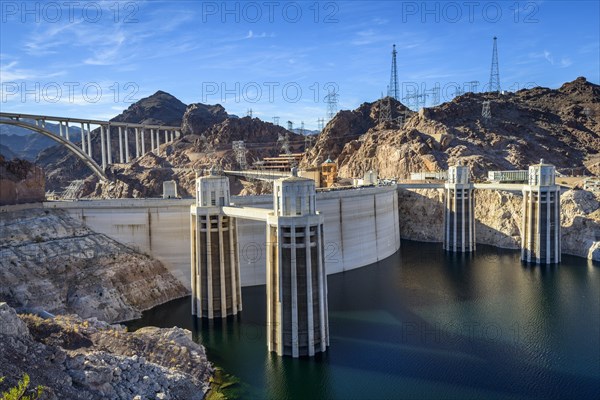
<point x="20" y="182"/>
<point x="53" y="261"/>
<point x="74" y="358"/>
<point x="498" y="219"/>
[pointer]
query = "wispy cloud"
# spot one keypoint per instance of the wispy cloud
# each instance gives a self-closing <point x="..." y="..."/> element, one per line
<point x="252" y="35"/>
<point x="110" y="43"/>
<point x="550" y="58"/>
<point x="368" y="36"/>
<point x="563" y="62"/>
<point x="11" y="72"/>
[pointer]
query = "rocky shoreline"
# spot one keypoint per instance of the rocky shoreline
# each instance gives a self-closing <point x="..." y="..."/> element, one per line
<point x="80" y="358"/>
<point x="52" y="262"/>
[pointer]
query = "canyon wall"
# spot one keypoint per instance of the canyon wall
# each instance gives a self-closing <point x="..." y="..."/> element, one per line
<point x="498" y="219"/>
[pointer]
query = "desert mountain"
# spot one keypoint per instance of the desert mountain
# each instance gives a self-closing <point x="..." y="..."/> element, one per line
<point x="62" y="166"/>
<point x="350" y="125"/>
<point x="561" y="126"/>
<point x="195" y="152"/>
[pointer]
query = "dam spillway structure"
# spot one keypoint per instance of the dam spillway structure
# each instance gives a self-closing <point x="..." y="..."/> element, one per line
<point x="215" y="276"/>
<point x="297" y="312"/>
<point x="459" y="215"/>
<point x="541" y="216"/>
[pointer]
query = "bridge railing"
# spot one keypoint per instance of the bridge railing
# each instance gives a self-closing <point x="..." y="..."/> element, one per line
<point x="85" y="148"/>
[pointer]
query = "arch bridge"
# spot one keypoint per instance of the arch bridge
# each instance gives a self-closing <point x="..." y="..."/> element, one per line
<point x="87" y="146"/>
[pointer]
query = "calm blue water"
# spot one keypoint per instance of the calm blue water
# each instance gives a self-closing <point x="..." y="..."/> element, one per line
<point x="424" y="324"/>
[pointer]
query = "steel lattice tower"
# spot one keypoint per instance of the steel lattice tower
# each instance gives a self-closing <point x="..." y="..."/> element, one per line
<point x="495" y="73"/>
<point x="331" y="99"/>
<point x="320" y="124"/>
<point x="486" y="112"/>
<point x="393" y="90"/>
<point x="385" y="109"/>
<point x="239" y="148"/>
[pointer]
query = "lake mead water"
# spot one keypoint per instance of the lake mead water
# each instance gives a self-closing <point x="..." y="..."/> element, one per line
<point x="425" y="324"/>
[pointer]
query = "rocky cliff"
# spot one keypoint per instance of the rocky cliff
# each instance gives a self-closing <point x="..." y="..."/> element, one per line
<point x="347" y="126"/>
<point x="62" y="166"/>
<point x="199" y="150"/>
<point x="498" y="219"/>
<point x="561" y="125"/>
<point x="20" y="182"/>
<point x="78" y="358"/>
<point x="208" y="133"/>
<point x="50" y="260"/>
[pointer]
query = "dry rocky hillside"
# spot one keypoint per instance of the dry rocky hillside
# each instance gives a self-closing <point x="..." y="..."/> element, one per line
<point x="561" y="125"/>
<point x="347" y="126"/>
<point x="75" y="358"/>
<point x="53" y="261"/>
<point x="208" y="133"/>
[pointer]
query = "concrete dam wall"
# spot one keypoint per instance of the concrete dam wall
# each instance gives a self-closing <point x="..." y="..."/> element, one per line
<point x="361" y="227"/>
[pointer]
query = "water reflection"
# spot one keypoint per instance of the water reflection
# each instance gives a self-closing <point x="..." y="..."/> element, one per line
<point x="425" y="323"/>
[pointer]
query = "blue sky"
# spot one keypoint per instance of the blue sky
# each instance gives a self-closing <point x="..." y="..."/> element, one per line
<point x="94" y="58"/>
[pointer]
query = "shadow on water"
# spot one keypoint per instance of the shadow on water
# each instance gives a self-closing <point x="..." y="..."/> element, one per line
<point x="425" y="323"/>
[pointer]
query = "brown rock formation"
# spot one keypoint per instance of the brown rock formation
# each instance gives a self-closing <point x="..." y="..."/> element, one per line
<point x="20" y="182"/>
<point x="348" y="126"/>
<point x="560" y="125"/>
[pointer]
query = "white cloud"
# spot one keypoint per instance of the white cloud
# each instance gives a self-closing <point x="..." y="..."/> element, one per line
<point x="564" y="62"/>
<point x="252" y="35"/>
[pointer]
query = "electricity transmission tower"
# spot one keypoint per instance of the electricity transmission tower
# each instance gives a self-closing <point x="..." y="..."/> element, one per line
<point x="71" y="191"/>
<point x="472" y="86"/>
<point x="320" y="124"/>
<point x="486" y="112"/>
<point x="284" y="140"/>
<point x="415" y="100"/>
<point x="249" y="113"/>
<point x="239" y="148"/>
<point x="495" y="73"/>
<point x="276" y="121"/>
<point x="308" y="142"/>
<point x="385" y="109"/>
<point x="393" y="90"/>
<point x="435" y="95"/>
<point x="290" y="125"/>
<point x="409" y="100"/>
<point x="331" y="99"/>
